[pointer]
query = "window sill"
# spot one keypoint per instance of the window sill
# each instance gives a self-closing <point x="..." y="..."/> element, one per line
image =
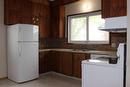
<point x="89" y="43"/>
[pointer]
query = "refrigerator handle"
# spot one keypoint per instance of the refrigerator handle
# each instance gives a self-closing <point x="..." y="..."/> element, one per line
<point x="19" y="49"/>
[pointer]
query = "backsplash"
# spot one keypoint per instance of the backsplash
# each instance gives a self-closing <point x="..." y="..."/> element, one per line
<point x="115" y="38"/>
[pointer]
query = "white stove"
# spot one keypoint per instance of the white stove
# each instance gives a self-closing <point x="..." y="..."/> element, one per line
<point x="101" y="72"/>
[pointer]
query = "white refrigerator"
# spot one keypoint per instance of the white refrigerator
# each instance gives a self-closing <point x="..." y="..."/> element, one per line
<point x="22" y="52"/>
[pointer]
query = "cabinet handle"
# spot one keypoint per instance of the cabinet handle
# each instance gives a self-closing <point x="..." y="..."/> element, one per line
<point x="34" y="22"/>
<point x="33" y="19"/>
<point x="37" y="19"/>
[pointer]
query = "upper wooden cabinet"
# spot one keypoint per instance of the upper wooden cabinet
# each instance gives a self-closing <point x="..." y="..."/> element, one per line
<point x="114" y="8"/>
<point x="35" y="12"/>
<point x="57" y="22"/>
<point x="17" y="11"/>
<point x="41" y="17"/>
<point x="44" y="2"/>
<point x="63" y="2"/>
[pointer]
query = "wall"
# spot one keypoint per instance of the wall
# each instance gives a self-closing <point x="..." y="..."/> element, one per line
<point x="83" y="6"/>
<point x="128" y="46"/>
<point x="2" y="42"/>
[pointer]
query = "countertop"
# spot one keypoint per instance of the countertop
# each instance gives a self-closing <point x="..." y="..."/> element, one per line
<point x="110" y="53"/>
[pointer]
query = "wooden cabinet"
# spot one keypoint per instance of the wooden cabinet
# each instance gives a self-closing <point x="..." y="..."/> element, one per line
<point x="49" y="61"/>
<point x="114" y="8"/>
<point x="54" y="3"/>
<point x="28" y="12"/>
<point x="77" y="59"/>
<point x="17" y="11"/>
<point x="55" y="61"/>
<point x="57" y="22"/>
<point x="41" y="17"/>
<point x="44" y="62"/>
<point x="63" y="2"/>
<point x="66" y="63"/>
<point x="41" y="63"/>
<point x="61" y="62"/>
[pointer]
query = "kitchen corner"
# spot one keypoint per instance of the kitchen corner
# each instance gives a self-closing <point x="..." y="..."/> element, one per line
<point x="64" y="43"/>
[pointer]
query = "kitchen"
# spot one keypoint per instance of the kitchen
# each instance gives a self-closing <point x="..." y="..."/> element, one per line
<point x="53" y="36"/>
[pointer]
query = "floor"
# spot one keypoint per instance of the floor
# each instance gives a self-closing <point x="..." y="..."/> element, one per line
<point x="48" y="80"/>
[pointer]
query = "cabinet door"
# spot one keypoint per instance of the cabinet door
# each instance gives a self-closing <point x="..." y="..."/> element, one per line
<point x="62" y="22"/>
<point x="36" y="9"/>
<point x="114" y="8"/>
<point x="55" y="3"/>
<point x="44" y="59"/>
<point x="54" y="22"/>
<point x="41" y="62"/>
<point x="77" y="60"/>
<point x="66" y="63"/>
<point x="57" y="24"/>
<point x="63" y="2"/>
<point x="44" y="22"/>
<point x="105" y="8"/>
<point x="118" y="8"/>
<point x="41" y="17"/>
<point x="17" y="11"/>
<point x="55" y="61"/>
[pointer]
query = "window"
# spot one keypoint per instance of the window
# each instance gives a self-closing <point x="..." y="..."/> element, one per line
<point x="84" y="28"/>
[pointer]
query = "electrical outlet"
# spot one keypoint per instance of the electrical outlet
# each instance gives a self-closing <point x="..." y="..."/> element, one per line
<point x="113" y="45"/>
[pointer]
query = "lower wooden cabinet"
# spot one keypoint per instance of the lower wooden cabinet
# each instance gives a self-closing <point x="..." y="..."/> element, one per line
<point x="77" y="61"/>
<point x="44" y="62"/>
<point x="60" y="62"/>
<point x="66" y="63"/>
<point x="49" y="61"/>
<point x="55" y="61"/>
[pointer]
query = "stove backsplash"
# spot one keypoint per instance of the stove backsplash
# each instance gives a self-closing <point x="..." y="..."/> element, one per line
<point x="62" y="43"/>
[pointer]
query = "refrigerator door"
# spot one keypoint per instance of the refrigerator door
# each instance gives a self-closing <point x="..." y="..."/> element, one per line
<point x="28" y="61"/>
<point x="28" y="32"/>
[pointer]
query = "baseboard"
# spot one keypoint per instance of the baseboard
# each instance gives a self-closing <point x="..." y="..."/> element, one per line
<point x="55" y="73"/>
<point x="46" y="73"/>
<point x="59" y="74"/>
<point x="3" y="78"/>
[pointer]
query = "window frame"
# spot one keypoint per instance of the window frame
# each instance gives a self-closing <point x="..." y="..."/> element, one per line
<point x="69" y="17"/>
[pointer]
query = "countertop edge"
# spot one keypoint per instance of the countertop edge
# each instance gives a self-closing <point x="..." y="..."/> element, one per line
<point x="111" y="53"/>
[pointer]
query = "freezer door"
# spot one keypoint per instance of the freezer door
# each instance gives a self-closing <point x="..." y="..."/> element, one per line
<point x="28" y="62"/>
<point x="28" y="32"/>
